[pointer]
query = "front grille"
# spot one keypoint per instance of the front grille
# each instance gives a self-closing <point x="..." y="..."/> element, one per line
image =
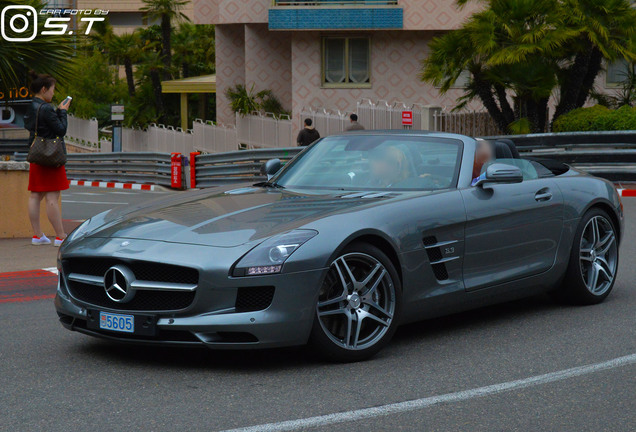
<point x="251" y="299"/>
<point x="143" y="270"/>
<point x="144" y="300"/>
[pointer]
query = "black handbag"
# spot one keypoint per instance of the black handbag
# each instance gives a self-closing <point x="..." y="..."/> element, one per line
<point x="48" y="152"/>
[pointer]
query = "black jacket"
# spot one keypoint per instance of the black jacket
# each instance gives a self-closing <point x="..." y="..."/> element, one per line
<point x="52" y="123"/>
<point x="307" y="136"/>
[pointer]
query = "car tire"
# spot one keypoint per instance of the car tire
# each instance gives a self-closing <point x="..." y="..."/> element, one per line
<point x="591" y="272"/>
<point x="358" y="306"/>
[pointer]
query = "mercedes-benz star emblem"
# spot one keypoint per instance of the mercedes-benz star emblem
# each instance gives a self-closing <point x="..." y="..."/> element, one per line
<point x="117" y="284"/>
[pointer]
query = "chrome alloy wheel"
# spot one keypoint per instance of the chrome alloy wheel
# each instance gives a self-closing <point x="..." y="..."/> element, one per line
<point x="598" y="255"/>
<point x="356" y="304"/>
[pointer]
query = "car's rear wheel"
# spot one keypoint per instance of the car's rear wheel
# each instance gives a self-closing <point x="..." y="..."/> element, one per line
<point x="593" y="261"/>
<point x="358" y="305"/>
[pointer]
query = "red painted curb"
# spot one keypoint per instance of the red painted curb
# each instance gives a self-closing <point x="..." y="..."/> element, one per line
<point x="25" y="286"/>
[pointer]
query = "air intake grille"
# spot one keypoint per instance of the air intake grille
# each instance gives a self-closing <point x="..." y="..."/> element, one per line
<point x="434" y="255"/>
<point x="251" y="299"/>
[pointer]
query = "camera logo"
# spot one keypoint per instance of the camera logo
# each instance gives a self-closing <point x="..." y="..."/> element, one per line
<point x="19" y="22"/>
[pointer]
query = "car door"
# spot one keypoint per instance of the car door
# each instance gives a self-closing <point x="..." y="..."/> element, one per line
<point x="512" y="230"/>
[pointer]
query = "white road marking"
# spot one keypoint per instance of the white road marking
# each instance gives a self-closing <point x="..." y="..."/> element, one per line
<point x="94" y="202"/>
<point x="86" y="193"/>
<point x="51" y="269"/>
<point x="418" y="404"/>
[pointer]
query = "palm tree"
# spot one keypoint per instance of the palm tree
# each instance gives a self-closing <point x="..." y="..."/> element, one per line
<point x="193" y="47"/>
<point x="525" y="49"/>
<point x="607" y="30"/>
<point x="125" y="48"/>
<point x="44" y="54"/>
<point x="167" y="11"/>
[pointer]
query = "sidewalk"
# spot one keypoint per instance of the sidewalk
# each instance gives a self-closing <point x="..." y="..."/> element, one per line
<point x="19" y="254"/>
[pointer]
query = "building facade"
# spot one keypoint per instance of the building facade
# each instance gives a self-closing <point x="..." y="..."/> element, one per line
<point x="328" y="53"/>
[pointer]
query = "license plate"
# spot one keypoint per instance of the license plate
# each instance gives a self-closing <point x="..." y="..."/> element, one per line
<point x="117" y="322"/>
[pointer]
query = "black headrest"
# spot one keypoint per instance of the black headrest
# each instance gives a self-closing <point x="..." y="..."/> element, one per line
<point x="502" y="151"/>
<point x="511" y="146"/>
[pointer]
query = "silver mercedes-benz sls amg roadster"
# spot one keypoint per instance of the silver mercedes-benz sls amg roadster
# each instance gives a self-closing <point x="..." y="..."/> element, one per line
<point x="359" y="233"/>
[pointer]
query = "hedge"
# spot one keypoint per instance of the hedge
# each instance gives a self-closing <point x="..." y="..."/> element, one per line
<point x="596" y="118"/>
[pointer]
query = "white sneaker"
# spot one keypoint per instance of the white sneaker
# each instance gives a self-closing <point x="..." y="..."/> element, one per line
<point x="58" y="242"/>
<point x="39" y="241"/>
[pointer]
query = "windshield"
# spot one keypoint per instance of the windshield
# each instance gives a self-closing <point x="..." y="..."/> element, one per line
<point x="380" y="162"/>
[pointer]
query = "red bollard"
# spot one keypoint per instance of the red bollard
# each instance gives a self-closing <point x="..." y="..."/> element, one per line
<point x="193" y="169"/>
<point x="176" y="171"/>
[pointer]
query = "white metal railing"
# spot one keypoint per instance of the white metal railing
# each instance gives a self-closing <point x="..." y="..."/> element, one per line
<point x="83" y="131"/>
<point x="211" y="138"/>
<point x="264" y="131"/>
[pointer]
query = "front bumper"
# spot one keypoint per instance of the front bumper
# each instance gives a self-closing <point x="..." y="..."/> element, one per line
<point x="211" y="320"/>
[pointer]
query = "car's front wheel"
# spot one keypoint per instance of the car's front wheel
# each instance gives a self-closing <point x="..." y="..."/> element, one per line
<point x="358" y="305"/>
<point x="593" y="262"/>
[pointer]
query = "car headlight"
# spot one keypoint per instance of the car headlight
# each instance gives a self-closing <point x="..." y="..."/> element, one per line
<point x="269" y="256"/>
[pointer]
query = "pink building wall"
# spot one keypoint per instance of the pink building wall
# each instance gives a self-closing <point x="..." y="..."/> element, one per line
<point x="230" y="67"/>
<point x="268" y="62"/>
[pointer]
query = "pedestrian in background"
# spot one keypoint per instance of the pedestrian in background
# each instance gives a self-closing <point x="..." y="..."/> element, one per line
<point x="354" y="123"/>
<point x="308" y="135"/>
<point x="45" y="183"/>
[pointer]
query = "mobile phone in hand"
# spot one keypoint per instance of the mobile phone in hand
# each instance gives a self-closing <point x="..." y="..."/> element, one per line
<point x="68" y="99"/>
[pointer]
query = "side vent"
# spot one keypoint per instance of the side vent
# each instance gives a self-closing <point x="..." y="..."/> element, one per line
<point x="436" y="258"/>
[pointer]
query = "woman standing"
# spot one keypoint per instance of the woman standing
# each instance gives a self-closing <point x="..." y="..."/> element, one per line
<point x="45" y="183"/>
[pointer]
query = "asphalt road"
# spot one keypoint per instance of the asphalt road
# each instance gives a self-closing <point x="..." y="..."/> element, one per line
<point x="491" y="369"/>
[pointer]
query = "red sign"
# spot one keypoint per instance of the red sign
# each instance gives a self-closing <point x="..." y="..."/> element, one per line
<point x="176" y="170"/>
<point x="407" y="118"/>
<point x="193" y="169"/>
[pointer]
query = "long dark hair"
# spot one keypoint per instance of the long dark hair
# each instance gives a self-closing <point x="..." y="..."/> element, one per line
<point x="40" y="80"/>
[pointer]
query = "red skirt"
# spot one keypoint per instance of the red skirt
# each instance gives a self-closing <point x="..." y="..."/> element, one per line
<point x="47" y="179"/>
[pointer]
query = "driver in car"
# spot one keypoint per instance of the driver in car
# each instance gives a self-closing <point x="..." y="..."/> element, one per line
<point x="483" y="155"/>
<point x="389" y="167"/>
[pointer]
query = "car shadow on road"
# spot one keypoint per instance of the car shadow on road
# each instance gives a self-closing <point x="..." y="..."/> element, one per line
<point x="408" y="335"/>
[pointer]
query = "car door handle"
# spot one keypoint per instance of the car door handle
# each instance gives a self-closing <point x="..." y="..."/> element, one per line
<point x="543" y="195"/>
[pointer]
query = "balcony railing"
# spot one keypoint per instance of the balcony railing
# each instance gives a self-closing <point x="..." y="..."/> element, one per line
<point x="332" y="3"/>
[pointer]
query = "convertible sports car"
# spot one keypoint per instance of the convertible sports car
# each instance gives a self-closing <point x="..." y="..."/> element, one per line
<point x="357" y="234"/>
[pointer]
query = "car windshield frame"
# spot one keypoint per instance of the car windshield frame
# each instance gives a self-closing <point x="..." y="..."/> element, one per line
<point x="420" y="139"/>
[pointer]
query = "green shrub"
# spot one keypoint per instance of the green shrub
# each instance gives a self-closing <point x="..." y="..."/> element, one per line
<point x="596" y="118"/>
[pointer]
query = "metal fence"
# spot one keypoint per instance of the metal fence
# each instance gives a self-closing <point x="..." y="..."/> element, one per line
<point x="211" y="138"/>
<point x="120" y="167"/>
<point x="264" y="130"/>
<point x="82" y="131"/>
<point x="470" y="123"/>
<point x="234" y="167"/>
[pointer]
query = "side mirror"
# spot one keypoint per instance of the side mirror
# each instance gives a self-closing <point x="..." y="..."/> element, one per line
<point x="501" y="173"/>
<point x="272" y="166"/>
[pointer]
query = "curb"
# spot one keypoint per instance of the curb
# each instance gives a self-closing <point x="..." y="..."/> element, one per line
<point x="626" y="192"/>
<point x="132" y="186"/>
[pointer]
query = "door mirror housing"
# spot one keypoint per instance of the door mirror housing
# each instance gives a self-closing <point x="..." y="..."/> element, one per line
<point x="272" y="166"/>
<point x="501" y="173"/>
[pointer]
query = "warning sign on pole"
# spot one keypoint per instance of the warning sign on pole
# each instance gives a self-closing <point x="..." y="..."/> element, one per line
<point x="407" y="118"/>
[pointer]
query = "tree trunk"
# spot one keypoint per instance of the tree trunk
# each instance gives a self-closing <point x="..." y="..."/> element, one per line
<point x="185" y="68"/>
<point x="504" y="104"/>
<point x="484" y="91"/>
<point x="537" y="112"/>
<point x="572" y="83"/>
<point x="156" y="89"/>
<point x="593" y="69"/>
<point x="129" y="76"/>
<point x="166" y="50"/>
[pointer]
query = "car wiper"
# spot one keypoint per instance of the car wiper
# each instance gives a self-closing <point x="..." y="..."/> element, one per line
<point x="269" y="185"/>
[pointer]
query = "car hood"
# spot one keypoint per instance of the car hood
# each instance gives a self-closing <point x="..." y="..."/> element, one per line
<point x="231" y="217"/>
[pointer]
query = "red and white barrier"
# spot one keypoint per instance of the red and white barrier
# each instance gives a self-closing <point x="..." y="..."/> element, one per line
<point x="115" y="185"/>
